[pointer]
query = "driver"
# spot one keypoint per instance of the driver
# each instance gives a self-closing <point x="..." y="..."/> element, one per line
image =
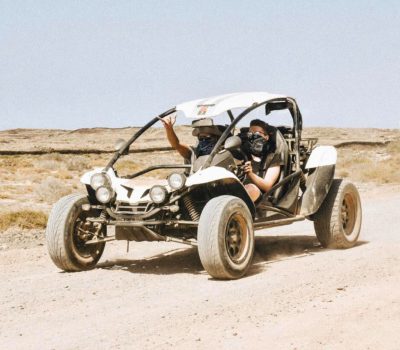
<point x="263" y="160"/>
<point x="207" y="138"/>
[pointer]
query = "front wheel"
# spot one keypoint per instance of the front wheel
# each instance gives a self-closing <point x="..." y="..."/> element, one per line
<point x="337" y="222"/>
<point x="67" y="232"/>
<point x="226" y="237"/>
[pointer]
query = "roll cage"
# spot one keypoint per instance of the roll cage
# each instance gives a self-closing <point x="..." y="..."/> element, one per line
<point x="276" y="103"/>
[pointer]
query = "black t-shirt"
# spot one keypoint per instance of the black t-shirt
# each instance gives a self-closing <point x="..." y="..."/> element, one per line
<point x="271" y="160"/>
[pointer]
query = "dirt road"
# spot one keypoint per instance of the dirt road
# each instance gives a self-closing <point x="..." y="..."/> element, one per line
<point x="157" y="296"/>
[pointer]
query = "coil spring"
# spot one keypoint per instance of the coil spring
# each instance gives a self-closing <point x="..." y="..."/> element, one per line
<point x="103" y="215"/>
<point x="191" y="208"/>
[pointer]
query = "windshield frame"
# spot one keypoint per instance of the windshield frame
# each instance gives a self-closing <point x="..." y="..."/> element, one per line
<point x="135" y="136"/>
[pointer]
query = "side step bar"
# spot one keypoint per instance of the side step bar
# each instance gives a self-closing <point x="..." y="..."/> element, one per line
<point x="279" y="222"/>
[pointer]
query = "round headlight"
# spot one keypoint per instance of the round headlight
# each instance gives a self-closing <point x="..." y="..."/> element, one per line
<point x="98" y="180"/>
<point x="158" y="194"/>
<point x="176" y="180"/>
<point x="104" y="194"/>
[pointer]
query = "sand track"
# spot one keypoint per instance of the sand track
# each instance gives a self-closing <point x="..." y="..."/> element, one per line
<point x="157" y="296"/>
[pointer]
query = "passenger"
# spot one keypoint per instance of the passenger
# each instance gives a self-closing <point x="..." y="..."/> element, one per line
<point x="261" y="155"/>
<point x="207" y="138"/>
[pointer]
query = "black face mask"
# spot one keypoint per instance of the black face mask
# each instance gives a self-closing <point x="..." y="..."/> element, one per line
<point x="256" y="145"/>
<point x="205" y="146"/>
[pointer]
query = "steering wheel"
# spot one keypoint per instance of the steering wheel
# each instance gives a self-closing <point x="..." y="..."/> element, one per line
<point x="241" y="175"/>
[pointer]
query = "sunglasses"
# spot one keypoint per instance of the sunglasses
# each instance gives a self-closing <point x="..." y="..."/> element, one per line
<point x="257" y="133"/>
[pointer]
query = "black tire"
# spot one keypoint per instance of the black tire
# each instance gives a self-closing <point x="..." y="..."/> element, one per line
<point x="225" y="237"/>
<point x="337" y="222"/>
<point x="65" y="247"/>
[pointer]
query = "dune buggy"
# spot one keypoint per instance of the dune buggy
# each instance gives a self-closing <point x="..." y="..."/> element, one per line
<point x="204" y="203"/>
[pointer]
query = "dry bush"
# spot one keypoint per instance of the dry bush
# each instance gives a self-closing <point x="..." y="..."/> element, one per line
<point x="64" y="175"/>
<point x="343" y="173"/>
<point x="15" y="162"/>
<point x="56" y="161"/>
<point x="49" y="164"/>
<point x="9" y="189"/>
<point x="97" y="160"/>
<point x="77" y="163"/>
<point x="51" y="189"/>
<point x="141" y="161"/>
<point x="377" y="164"/>
<point x="393" y="148"/>
<point x="57" y="157"/>
<point x="6" y="176"/>
<point x="126" y="166"/>
<point x="25" y="219"/>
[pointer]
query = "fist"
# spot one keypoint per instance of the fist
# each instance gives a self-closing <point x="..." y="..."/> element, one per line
<point x="247" y="168"/>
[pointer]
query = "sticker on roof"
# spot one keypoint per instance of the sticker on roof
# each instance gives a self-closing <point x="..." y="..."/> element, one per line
<point x="202" y="109"/>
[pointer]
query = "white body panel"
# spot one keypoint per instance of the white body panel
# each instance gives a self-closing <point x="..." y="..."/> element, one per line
<point x="321" y="156"/>
<point x="122" y="187"/>
<point x="213" y="106"/>
<point x="210" y="174"/>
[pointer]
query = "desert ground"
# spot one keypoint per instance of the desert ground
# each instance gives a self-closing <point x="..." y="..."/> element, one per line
<point x="297" y="295"/>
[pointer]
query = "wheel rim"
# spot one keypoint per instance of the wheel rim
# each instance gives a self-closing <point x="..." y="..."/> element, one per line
<point x="237" y="237"/>
<point x="348" y="213"/>
<point x="80" y="236"/>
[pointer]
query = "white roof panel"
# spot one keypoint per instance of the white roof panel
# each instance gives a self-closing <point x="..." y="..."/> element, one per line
<point x="213" y="106"/>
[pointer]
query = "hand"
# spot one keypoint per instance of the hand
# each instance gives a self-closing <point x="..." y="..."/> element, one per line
<point x="247" y="168"/>
<point x="169" y="121"/>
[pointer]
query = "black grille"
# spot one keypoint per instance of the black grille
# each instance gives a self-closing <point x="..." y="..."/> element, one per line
<point x="137" y="208"/>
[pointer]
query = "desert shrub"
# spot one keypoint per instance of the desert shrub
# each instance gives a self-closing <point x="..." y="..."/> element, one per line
<point x="64" y="175"/>
<point x="25" y="219"/>
<point x="77" y="163"/>
<point x="58" y="157"/>
<point x="49" y="164"/>
<point x="51" y="189"/>
<point x="127" y="166"/>
<point x="15" y="162"/>
<point x="393" y="149"/>
<point x="343" y="173"/>
<point x="377" y="164"/>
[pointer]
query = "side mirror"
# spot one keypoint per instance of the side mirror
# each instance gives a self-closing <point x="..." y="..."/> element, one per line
<point x="119" y="144"/>
<point x="232" y="143"/>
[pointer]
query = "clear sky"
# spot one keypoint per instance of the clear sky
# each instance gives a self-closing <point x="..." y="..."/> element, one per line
<point x="72" y="64"/>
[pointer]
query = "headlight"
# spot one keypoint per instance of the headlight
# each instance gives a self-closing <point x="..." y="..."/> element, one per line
<point x="176" y="181"/>
<point x="104" y="194"/>
<point x="158" y="194"/>
<point x="99" y="179"/>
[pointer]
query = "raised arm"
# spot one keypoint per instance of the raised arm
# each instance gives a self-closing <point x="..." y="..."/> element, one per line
<point x="183" y="150"/>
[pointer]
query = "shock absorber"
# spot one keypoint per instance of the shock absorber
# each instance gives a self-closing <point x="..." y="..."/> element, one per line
<point x="99" y="225"/>
<point x="191" y="208"/>
<point x="103" y="216"/>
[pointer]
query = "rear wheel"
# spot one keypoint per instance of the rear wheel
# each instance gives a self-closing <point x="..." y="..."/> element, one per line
<point x="226" y="237"/>
<point x="67" y="232"/>
<point x="338" y="221"/>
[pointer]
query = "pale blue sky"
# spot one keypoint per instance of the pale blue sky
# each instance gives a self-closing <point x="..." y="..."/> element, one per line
<point x="72" y="64"/>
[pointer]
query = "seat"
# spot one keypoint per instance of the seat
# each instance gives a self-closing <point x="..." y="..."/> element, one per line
<point x="282" y="148"/>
